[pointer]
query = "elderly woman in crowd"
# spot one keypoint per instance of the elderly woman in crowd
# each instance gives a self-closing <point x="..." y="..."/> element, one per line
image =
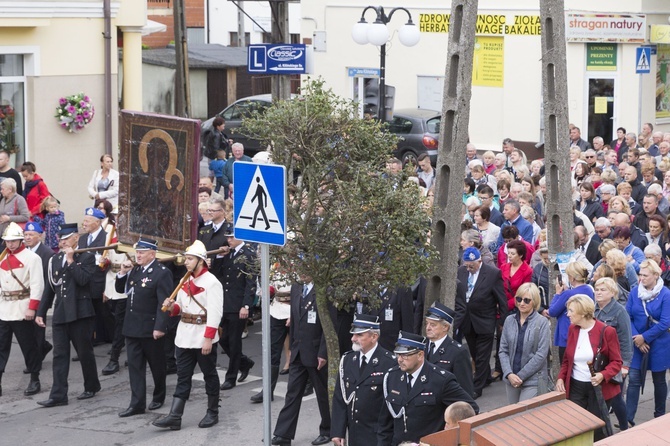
<point x="658" y="233"/>
<point x="612" y="313"/>
<point x="649" y="309"/>
<point x="472" y="237"/>
<point x="575" y="377"/>
<point x="577" y="276"/>
<point x="524" y="345"/>
<point x="13" y="207"/>
<point x="105" y="182"/>
<point x="488" y="231"/>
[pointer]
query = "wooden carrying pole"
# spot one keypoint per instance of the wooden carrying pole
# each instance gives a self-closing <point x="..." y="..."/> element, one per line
<point x="176" y="290"/>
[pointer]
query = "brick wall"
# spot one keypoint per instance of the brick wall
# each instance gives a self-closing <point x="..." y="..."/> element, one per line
<point x="195" y="18"/>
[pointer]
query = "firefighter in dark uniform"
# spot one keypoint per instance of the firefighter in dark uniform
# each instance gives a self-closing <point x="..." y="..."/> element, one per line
<point x="236" y="273"/>
<point x="147" y="285"/>
<point x="359" y="394"/>
<point x="417" y="393"/>
<point x="443" y="351"/>
<point x="73" y="316"/>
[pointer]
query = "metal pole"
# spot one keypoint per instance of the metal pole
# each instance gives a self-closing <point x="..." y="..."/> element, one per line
<point x="639" y="104"/>
<point x="265" y="326"/>
<point x="381" y="112"/>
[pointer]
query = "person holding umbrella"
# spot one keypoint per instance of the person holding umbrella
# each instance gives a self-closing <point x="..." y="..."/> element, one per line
<point x="588" y="388"/>
<point x="649" y="309"/>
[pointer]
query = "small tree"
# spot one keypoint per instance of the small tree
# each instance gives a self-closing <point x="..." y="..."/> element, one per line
<point x="354" y="228"/>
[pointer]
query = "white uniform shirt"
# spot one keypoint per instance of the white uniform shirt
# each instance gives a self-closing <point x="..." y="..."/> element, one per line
<point x="210" y="296"/>
<point x="27" y="266"/>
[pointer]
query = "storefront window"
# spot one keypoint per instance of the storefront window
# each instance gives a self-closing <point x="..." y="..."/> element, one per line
<point x="12" y="111"/>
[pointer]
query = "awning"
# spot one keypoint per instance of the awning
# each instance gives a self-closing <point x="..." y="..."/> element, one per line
<point x="153" y="27"/>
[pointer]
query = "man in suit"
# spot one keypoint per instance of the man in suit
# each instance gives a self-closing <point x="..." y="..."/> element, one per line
<point x="33" y="234"/>
<point x="417" y="393"/>
<point x="22" y="286"/>
<point x="395" y="312"/>
<point x="358" y="392"/>
<point x="480" y="297"/>
<point x="308" y="360"/>
<point x="94" y="236"/>
<point x="147" y="285"/>
<point x="443" y="351"/>
<point x="589" y="245"/>
<point x="73" y="316"/>
<point x="236" y="271"/>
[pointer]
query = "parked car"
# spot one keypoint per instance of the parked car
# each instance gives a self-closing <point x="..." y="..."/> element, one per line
<point x="234" y="114"/>
<point x="419" y="131"/>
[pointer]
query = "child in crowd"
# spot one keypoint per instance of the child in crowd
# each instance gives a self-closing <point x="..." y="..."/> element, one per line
<point x="216" y="166"/>
<point x="51" y="221"/>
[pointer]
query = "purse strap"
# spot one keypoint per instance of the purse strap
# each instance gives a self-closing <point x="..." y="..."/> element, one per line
<point x="600" y="344"/>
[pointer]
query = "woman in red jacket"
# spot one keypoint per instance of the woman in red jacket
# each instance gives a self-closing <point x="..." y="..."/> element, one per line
<point x="35" y="189"/>
<point x="516" y="272"/>
<point x="583" y="340"/>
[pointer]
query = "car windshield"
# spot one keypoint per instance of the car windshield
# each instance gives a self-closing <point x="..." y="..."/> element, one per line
<point x="433" y="124"/>
<point x="243" y="109"/>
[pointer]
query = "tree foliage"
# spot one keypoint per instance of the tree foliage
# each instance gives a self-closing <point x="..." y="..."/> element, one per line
<point x="354" y="228"/>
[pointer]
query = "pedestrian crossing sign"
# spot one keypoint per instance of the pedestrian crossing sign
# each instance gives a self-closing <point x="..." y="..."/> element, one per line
<point x="643" y="60"/>
<point x="259" y="202"/>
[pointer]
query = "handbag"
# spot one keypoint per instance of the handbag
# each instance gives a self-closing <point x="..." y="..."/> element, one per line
<point x="601" y="360"/>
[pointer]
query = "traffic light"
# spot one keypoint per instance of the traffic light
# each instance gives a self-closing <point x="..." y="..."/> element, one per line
<point x="371" y="99"/>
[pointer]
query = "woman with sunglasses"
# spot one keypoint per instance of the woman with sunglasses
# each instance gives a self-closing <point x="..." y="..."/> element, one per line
<point x="524" y="345"/>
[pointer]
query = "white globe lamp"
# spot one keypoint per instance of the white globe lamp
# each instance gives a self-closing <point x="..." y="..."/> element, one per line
<point x="378" y="33"/>
<point x="409" y="34"/>
<point x="360" y="32"/>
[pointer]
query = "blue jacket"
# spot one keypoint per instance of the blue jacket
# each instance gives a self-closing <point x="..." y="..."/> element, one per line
<point x="656" y="333"/>
<point x="216" y="166"/>
<point x="525" y="230"/>
<point x="638" y="256"/>
<point x="558" y="310"/>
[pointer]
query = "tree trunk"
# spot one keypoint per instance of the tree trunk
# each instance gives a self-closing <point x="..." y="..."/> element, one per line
<point x="332" y="342"/>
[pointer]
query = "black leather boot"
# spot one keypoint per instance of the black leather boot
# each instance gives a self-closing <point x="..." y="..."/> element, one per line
<point x="113" y="365"/>
<point x="34" y="385"/>
<point x="173" y="419"/>
<point x="274" y="375"/>
<point x="212" y="416"/>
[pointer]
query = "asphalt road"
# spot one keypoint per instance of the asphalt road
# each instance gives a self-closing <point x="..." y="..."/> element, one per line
<point x="95" y="421"/>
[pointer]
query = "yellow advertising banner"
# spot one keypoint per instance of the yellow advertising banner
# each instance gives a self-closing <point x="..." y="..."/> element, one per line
<point x="659" y="34"/>
<point x="488" y="63"/>
<point x="487" y="24"/>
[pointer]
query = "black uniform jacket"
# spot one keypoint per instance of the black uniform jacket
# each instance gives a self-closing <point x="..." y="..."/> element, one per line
<point x="455" y="358"/>
<point x="361" y="414"/>
<point x="434" y="390"/>
<point x="307" y="340"/>
<point x="69" y="285"/>
<point x="396" y="312"/>
<point x="236" y="274"/>
<point x="97" y="282"/>
<point x="146" y="290"/>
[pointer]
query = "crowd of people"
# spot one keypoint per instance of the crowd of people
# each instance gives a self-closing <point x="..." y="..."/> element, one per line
<point x="394" y="385"/>
<point x="615" y="275"/>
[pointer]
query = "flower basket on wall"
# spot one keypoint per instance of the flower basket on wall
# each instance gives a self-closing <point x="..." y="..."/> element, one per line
<point x="74" y="112"/>
<point x="8" y="129"/>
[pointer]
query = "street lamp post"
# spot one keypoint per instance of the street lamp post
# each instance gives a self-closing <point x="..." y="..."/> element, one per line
<point x="378" y="34"/>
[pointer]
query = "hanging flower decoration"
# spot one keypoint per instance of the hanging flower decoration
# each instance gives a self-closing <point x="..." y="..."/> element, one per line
<point x="74" y="112"/>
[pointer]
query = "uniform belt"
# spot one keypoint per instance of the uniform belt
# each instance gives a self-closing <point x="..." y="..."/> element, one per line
<point x="283" y="298"/>
<point x="115" y="267"/>
<point x="196" y="319"/>
<point x="15" y="295"/>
